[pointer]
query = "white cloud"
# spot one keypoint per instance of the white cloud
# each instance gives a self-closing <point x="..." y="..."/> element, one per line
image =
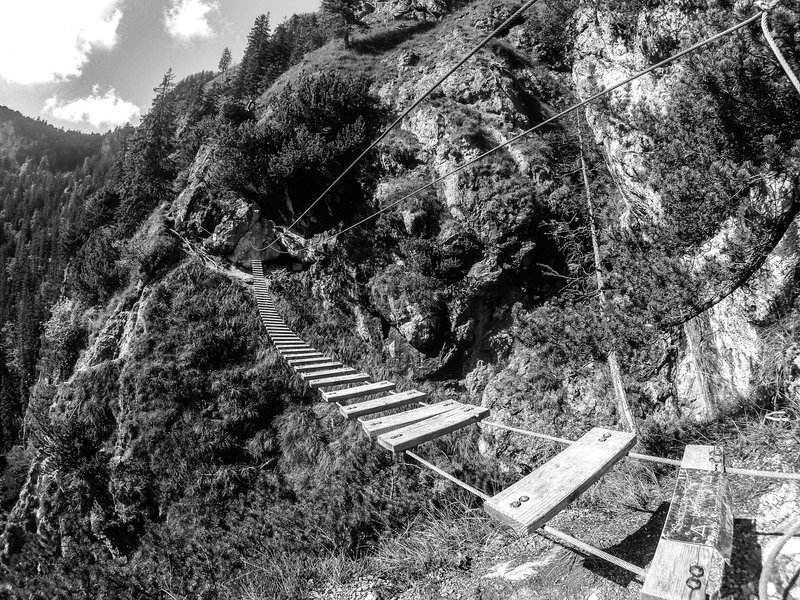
<point x="44" y="40"/>
<point x="188" y="19"/>
<point x="100" y="110"/>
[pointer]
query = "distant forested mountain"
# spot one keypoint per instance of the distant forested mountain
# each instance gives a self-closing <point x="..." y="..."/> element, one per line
<point x="22" y="139"/>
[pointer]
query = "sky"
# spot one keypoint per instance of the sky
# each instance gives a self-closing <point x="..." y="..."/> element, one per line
<point x="92" y="65"/>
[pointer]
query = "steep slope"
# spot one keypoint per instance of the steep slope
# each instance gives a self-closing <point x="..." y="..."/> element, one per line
<point x="172" y="456"/>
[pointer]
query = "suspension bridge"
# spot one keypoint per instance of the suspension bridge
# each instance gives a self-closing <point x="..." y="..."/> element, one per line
<point x="697" y="536"/>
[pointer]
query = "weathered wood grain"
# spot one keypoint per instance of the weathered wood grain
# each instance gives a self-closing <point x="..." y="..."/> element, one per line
<point x="535" y="499"/>
<point x="322" y="366"/>
<point x="430" y="429"/>
<point x="376" y="426"/>
<point x="334" y="381"/>
<point x="302" y="354"/>
<point x="328" y="374"/>
<point x="358" y="391"/>
<point x="697" y="538"/>
<point x="294" y="362"/>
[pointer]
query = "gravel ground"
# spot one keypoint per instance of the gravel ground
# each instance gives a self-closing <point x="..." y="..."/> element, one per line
<point x="522" y="568"/>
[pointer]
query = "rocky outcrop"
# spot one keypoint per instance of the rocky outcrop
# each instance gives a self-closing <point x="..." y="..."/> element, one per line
<point x="722" y="345"/>
<point x="230" y="226"/>
<point x="480" y="219"/>
<point x="417" y="10"/>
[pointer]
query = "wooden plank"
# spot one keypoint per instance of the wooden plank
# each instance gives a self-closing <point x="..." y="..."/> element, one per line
<point x="430" y="429"/>
<point x="293" y="347"/>
<point x="321" y="366"/>
<point x="328" y="374"/>
<point x="293" y="352"/>
<point x="388" y="402"/>
<point x="302" y="354"/>
<point x="293" y="362"/>
<point x="374" y="427"/>
<point x="359" y="392"/>
<point x="334" y="381"/>
<point x="536" y="498"/>
<point x="697" y="538"/>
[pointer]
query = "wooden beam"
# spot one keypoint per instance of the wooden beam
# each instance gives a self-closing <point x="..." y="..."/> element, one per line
<point x="321" y="366"/>
<point x="295" y="362"/>
<point x="376" y="426"/>
<point x="532" y="501"/>
<point x="328" y="374"/>
<point x="430" y="429"/>
<point x="358" y="392"/>
<point x="388" y="402"/>
<point x="334" y="381"/>
<point x="697" y="538"/>
<point x="303" y="354"/>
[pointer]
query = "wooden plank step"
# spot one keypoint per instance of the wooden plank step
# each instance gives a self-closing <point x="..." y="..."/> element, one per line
<point x="697" y="538"/>
<point x="359" y="391"/>
<point x="536" y="498"/>
<point x="334" y="381"/>
<point x="376" y="426"/>
<point x="292" y="352"/>
<point x="291" y="345"/>
<point x="302" y="354"/>
<point x="297" y="362"/>
<point x="388" y="402"/>
<point x="328" y="374"/>
<point x="430" y="429"/>
<point x="283" y="338"/>
<point x="322" y="366"/>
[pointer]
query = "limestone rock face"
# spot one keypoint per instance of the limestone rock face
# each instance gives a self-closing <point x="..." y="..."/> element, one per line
<point x="230" y="226"/>
<point x="482" y="233"/>
<point x="418" y="10"/>
<point x="722" y="347"/>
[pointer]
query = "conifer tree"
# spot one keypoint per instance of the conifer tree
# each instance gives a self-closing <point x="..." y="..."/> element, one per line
<point x="149" y="168"/>
<point x="255" y="61"/>
<point x="343" y="16"/>
<point x="225" y="60"/>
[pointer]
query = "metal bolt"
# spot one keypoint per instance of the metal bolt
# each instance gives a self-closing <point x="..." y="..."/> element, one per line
<point x="377" y="422"/>
<point x="693" y="583"/>
<point x="516" y="504"/>
<point x="697" y="571"/>
<point x="523" y="498"/>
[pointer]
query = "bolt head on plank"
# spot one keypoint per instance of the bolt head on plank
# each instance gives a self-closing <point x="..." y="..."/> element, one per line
<point x="697" y="538"/>
<point x="559" y="481"/>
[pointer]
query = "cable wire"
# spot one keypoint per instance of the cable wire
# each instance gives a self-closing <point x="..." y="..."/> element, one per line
<point x="414" y="104"/>
<point x="648" y="458"/>
<point x="772" y="556"/>
<point x="777" y="52"/>
<point x="551" y="531"/>
<point x="563" y="113"/>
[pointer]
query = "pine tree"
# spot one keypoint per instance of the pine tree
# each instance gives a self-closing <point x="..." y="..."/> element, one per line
<point x="149" y="167"/>
<point x="225" y="62"/>
<point x="256" y="59"/>
<point x="343" y="16"/>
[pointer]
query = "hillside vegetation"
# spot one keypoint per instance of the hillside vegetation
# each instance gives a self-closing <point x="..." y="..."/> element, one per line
<point x="154" y="445"/>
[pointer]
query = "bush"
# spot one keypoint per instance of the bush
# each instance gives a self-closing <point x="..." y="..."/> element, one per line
<point x="95" y="273"/>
